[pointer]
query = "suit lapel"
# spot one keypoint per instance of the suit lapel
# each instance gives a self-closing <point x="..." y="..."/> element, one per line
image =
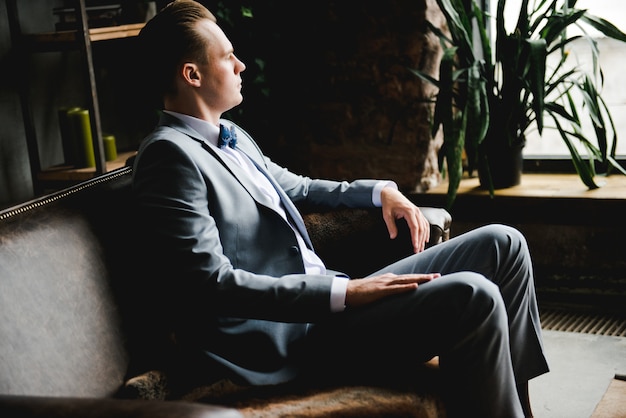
<point x="254" y="154"/>
<point x="237" y="172"/>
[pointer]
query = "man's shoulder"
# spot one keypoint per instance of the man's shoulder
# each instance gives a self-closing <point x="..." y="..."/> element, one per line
<point x="164" y="133"/>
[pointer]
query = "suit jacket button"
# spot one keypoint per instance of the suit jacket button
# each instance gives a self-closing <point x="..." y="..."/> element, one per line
<point x="294" y="250"/>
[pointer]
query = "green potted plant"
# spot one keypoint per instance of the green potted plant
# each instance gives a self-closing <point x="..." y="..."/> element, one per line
<point x="486" y="103"/>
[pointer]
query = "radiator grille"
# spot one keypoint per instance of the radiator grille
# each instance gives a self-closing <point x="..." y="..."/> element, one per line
<point x="600" y="324"/>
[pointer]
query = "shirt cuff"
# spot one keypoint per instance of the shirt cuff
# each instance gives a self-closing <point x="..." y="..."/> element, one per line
<point x="378" y="188"/>
<point x="338" y="290"/>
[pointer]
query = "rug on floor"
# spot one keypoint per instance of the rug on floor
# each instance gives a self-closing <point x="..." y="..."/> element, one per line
<point x="613" y="403"/>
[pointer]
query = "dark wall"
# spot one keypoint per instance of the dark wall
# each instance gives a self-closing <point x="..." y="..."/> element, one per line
<point x="327" y="90"/>
<point x="15" y="184"/>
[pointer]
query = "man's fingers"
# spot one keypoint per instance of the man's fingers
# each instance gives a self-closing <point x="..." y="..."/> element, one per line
<point x="424" y="236"/>
<point x="415" y="278"/>
<point x="390" y="279"/>
<point x="363" y="291"/>
<point x="419" y="228"/>
<point x="391" y="226"/>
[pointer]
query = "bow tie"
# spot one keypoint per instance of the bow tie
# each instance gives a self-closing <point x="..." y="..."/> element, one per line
<point x="228" y="136"/>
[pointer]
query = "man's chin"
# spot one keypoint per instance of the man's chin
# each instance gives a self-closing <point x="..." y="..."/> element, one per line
<point x="237" y="102"/>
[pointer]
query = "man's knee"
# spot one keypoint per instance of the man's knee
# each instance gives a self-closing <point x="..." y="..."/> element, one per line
<point x="506" y="236"/>
<point x="475" y="293"/>
<point x="475" y="283"/>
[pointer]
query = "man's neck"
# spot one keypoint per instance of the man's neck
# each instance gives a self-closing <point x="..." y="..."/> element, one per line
<point x="192" y="108"/>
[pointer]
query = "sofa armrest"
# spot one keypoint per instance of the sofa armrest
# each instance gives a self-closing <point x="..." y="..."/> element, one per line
<point x="356" y="241"/>
<point x="440" y="221"/>
<point x="65" y="407"/>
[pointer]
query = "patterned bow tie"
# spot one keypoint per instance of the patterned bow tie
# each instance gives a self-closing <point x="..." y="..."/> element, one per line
<point x="228" y="136"/>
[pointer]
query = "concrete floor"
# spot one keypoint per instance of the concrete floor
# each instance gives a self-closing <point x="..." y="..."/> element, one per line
<point x="582" y="366"/>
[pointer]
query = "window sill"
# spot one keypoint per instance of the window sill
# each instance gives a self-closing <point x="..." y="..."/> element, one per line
<point x="550" y="199"/>
<point x="546" y="186"/>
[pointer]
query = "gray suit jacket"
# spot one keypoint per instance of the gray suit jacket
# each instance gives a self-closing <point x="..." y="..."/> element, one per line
<point x="228" y="264"/>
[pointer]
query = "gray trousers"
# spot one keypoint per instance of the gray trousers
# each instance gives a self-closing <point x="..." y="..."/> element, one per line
<point x="480" y="318"/>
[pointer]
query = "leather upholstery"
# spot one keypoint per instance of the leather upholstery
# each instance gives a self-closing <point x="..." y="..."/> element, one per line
<point x="59" y="322"/>
<point x="64" y="341"/>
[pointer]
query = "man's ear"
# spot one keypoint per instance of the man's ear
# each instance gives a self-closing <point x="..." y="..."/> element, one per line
<point x="191" y="74"/>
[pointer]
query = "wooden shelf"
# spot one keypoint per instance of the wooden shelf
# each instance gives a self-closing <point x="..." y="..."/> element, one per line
<point x="115" y="32"/>
<point x="66" y="173"/>
<point x="53" y="41"/>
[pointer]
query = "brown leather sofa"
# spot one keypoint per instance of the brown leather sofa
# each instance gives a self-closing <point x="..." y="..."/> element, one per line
<point x="72" y="344"/>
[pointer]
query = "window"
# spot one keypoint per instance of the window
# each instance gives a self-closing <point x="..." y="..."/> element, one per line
<point x="612" y="61"/>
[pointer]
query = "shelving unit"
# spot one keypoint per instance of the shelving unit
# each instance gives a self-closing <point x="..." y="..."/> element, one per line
<point x="80" y="39"/>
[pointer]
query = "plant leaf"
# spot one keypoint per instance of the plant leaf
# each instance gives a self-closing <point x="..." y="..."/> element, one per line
<point x="536" y="76"/>
<point x="604" y="26"/>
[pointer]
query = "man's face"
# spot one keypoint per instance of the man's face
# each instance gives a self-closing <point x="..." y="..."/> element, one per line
<point x="221" y="81"/>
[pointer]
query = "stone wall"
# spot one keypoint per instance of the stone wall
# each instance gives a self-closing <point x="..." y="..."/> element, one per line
<point x="346" y="104"/>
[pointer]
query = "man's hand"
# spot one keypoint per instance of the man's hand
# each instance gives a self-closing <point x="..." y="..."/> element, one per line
<point x="363" y="291"/>
<point x="396" y="206"/>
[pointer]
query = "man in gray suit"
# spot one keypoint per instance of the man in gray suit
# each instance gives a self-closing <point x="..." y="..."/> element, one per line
<point x="248" y="297"/>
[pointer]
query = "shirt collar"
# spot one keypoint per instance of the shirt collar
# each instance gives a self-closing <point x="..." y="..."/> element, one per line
<point x="208" y="131"/>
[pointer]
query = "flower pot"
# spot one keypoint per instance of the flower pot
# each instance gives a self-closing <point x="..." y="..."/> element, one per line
<point x="500" y="164"/>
